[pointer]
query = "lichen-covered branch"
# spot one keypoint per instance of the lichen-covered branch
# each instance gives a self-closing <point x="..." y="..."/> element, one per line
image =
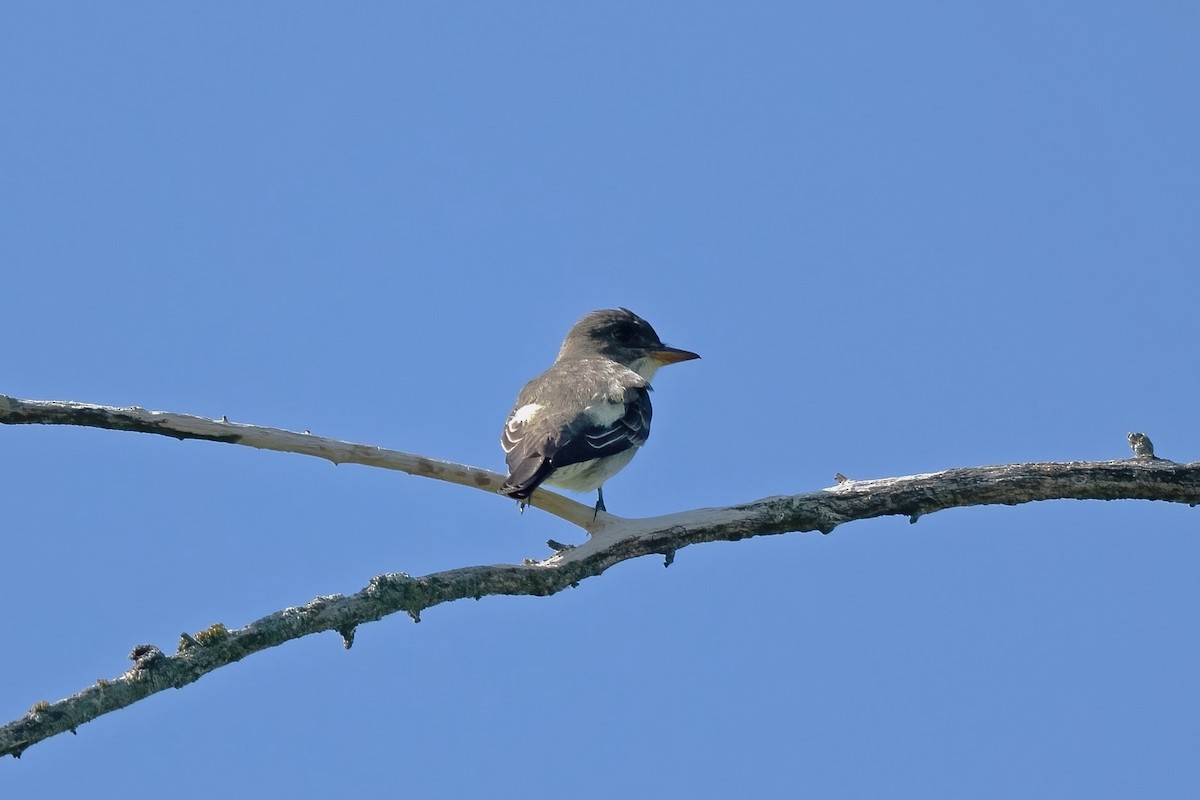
<point x="614" y="540"/>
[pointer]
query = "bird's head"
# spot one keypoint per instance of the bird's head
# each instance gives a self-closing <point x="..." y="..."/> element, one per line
<point x="624" y="337"/>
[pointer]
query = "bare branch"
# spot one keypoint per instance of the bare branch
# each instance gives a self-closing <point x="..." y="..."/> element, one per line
<point x="187" y="426"/>
<point x="614" y="540"/>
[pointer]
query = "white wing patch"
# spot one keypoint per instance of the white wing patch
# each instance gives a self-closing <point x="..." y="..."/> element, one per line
<point x="604" y="412"/>
<point x="523" y="414"/>
<point x="519" y="417"/>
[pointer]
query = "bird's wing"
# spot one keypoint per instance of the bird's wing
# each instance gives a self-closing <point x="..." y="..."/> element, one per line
<point x="537" y="444"/>
<point x="598" y="434"/>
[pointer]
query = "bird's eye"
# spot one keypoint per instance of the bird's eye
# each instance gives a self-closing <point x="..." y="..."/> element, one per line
<point x="623" y="335"/>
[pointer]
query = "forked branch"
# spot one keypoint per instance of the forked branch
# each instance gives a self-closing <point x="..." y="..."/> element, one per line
<point x="614" y="539"/>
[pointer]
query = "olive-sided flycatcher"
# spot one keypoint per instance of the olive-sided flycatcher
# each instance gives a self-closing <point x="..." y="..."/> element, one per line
<point x="581" y="421"/>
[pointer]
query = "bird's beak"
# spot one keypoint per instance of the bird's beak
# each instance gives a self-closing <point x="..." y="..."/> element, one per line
<point x="672" y="355"/>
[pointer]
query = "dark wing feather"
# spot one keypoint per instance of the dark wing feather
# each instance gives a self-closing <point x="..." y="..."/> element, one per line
<point x="535" y="450"/>
<point x="588" y="441"/>
<point x="526" y="470"/>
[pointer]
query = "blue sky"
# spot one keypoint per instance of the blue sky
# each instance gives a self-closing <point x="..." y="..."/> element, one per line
<point x="903" y="237"/>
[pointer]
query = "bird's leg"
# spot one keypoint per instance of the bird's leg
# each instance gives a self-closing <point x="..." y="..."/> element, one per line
<point x="600" y="500"/>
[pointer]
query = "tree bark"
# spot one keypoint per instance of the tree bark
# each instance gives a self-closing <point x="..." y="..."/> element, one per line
<point x="613" y="539"/>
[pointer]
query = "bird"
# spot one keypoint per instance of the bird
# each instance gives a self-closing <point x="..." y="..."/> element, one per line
<point x="581" y="421"/>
